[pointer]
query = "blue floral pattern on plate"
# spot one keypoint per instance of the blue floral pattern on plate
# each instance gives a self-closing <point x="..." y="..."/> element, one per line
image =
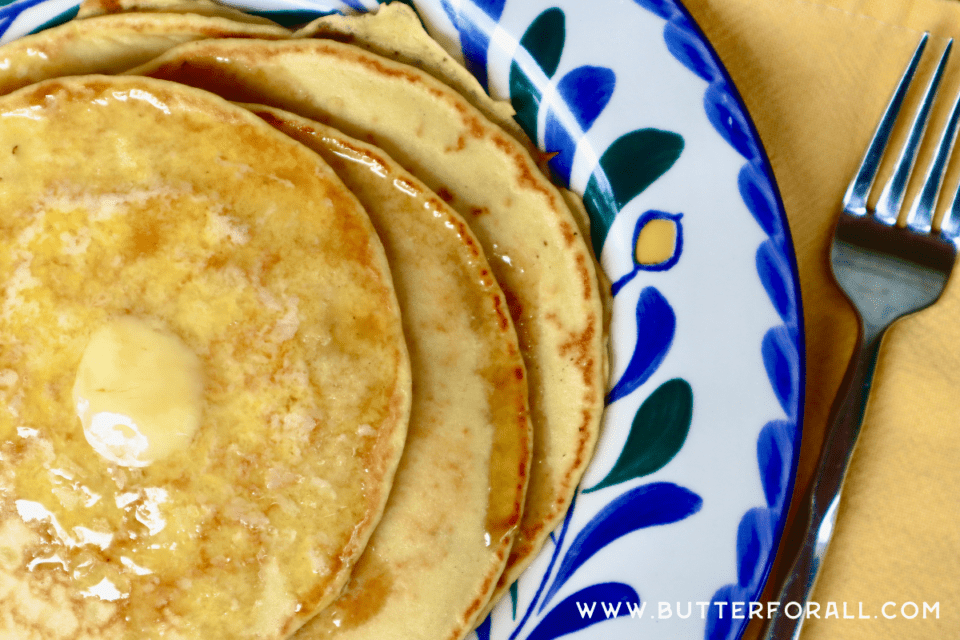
<point x="650" y="528"/>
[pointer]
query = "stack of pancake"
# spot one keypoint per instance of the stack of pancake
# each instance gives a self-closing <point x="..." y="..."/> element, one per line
<point x="296" y="337"/>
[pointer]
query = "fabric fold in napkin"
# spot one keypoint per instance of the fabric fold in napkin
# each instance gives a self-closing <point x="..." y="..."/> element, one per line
<point x="815" y="76"/>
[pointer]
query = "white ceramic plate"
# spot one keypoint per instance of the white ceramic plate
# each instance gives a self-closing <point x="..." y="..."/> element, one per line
<point x="680" y="513"/>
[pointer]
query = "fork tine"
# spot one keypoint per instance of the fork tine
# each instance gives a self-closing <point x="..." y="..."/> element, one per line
<point x="920" y="217"/>
<point x="891" y="197"/>
<point x="855" y="199"/>
<point x="950" y="225"/>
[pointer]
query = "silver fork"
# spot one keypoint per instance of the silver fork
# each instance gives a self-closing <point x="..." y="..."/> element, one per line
<point x="887" y="272"/>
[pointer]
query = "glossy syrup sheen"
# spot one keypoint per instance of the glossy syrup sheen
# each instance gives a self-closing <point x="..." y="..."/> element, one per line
<point x="536" y="252"/>
<point x="433" y="561"/>
<point x="137" y="198"/>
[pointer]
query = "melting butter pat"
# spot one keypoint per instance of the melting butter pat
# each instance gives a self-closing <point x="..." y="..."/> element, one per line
<point x="138" y="392"/>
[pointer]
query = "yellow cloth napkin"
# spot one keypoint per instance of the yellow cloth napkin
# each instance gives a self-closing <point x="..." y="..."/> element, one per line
<point x="816" y="75"/>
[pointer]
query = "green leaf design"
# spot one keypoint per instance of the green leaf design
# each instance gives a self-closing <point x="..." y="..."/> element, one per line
<point x="544" y="39"/>
<point x="526" y="100"/>
<point x="628" y="166"/>
<point x="513" y="598"/>
<point x="658" y="432"/>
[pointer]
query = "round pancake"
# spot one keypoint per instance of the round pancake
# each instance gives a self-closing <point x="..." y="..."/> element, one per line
<point x="135" y="205"/>
<point x="529" y="235"/>
<point x="434" y="559"/>
<point x="112" y="43"/>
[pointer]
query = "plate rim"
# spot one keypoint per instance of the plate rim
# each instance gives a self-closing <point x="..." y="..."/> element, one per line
<point x="668" y="10"/>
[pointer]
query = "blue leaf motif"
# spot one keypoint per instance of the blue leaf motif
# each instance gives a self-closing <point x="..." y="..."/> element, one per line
<point x="566" y="617"/>
<point x="483" y="631"/>
<point x="557" y="139"/>
<point x="782" y="362"/>
<point x="727" y="117"/>
<point x="645" y="506"/>
<point x="585" y="91"/>
<point x="12" y="11"/>
<point x="493" y="8"/>
<point x="452" y="15"/>
<point x="662" y="8"/>
<point x="690" y="50"/>
<point x="474" y="40"/>
<point x="656" y="325"/>
<point x="757" y="194"/>
<point x="775" y="456"/>
<point x="754" y="543"/>
<point x="774" y="274"/>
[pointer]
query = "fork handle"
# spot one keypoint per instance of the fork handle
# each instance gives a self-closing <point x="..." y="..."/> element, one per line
<point x="820" y="501"/>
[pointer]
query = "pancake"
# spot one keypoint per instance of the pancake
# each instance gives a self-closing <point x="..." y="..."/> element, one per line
<point x="434" y="559"/>
<point x="112" y="43"/>
<point x="204" y="383"/>
<point x="536" y="251"/>
<point x="91" y="8"/>
<point x="394" y="31"/>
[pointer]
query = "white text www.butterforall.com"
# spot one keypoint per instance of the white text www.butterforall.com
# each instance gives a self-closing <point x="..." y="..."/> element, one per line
<point x="750" y="610"/>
